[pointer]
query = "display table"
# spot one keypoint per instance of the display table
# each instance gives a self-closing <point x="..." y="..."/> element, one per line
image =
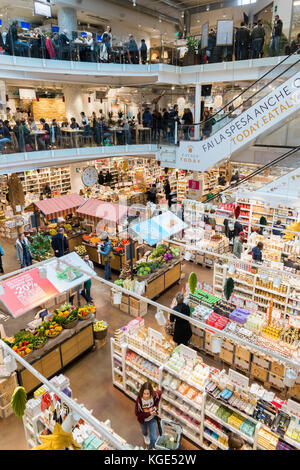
<point x="75" y="240"/>
<point x="168" y="276"/>
<point x="57" y="353"/>
<point x="118" y="261"/>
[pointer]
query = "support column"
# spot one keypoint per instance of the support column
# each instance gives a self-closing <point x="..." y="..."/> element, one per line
<point x="73" y="101"/>
<point x="76" y="180"/>
<point x="3" y="103"/>
<point x="67" y="20"/>
<point x="197" y="116"/>
<point x="284" y="8"/>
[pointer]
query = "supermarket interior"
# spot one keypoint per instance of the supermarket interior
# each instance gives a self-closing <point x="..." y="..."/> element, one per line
<point x="150" y="225"/>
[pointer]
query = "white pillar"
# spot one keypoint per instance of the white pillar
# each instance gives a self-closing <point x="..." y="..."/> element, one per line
<point x="73" y="101"/>
<point x="284" y="8"/>
<point x="197" y="116"/>
<point x="67" y="20"/>
<point x="76" y="173"/>
<point x="3" y="103"/>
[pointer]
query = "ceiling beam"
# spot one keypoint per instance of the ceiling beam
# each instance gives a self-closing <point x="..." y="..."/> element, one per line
<point x="212" y="6"/>
<point x="146" y="10"/>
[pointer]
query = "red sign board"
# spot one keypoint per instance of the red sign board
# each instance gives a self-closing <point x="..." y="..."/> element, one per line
<point x="194" y="184"/>
<point x="26" y="291"/>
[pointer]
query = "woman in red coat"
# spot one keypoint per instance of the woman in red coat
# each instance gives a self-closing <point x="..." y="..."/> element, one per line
<point x="146" y="408"/>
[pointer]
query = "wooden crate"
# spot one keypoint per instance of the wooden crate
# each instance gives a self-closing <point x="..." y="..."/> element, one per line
<point x="259" y="372"/>
<point x="242" y="353"/>
<point x="99" y="343"/>
<point x="197" y="341"/>
<point x="69" y="350"/>
<point x="124" y="307"/>
<point x="226" y="356"/>
<point x="51" y="363"/>
<point x="260" y="360"/>
<point x="241" y="364"/>
<point x="154" y="288"/>
<point x="294" y="392"/>
<point x="6" y="396"/>
<point x="125" y="298"/>
<point x="7" y="384"/>
<point x="199" y="258"/>
<point x="277" y="369"/>
<point x="228" y="345"/>
<point x="137" y="307"/>
<point x="6" y="411"/>
<point x="276" y="381"/>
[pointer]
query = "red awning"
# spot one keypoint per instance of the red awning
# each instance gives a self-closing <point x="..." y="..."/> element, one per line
<point x="60" y="206"/>
<point x="96" y="210"/>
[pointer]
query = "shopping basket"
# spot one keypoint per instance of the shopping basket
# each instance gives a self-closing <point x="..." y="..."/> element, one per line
<point x="171" y="435"/>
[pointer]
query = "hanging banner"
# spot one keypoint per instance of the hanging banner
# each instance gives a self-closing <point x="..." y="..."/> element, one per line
<point x="268" y="112"/>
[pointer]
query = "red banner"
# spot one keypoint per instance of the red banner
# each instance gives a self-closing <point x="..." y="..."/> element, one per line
<point x="26" y="291"/>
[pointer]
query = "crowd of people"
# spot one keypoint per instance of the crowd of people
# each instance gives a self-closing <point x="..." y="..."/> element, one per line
<point x="91" y="47"/>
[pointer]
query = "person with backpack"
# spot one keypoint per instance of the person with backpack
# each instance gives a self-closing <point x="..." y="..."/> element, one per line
<point x="257" y="39"/>
<point x="106" y="251"/>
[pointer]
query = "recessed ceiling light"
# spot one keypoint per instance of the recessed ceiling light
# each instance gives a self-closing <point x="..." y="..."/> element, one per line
<point x="207" y="8"/>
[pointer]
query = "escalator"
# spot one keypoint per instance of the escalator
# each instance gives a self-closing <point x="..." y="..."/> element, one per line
<point x="283" y="168"/>
<point x="264" y="106"/>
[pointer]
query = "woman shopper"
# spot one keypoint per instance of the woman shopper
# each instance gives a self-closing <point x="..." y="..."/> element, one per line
<point x="182" y="329"/>
<point x="238" y="245"/>
<point x="23" y="251"/>
<point x="146" y="408"/>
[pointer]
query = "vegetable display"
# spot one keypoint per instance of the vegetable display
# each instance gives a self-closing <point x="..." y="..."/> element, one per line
<point x="100" y="325"/>
<point x="193" y="282"/>
<point x="18" y="401"/>
<point x="86" y="310"/>
<point x="41" y="247"/>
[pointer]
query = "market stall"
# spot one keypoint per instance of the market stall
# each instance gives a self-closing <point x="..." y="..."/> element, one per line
<point x="111" y="218"/>
<point x="52" y="330"/>
<point x="62" y="208"/>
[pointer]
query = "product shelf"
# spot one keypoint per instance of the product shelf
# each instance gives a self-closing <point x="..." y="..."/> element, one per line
<point x="245" y="415"/>
<point x="179" y="395"/>
<point x="145" y="355"/>
<point x="214" y="441"/>
<point x="142" y="372"/>
<point x="173" y="402"/>
<point x="184" y="379"/>
<point x="117" y="384"/>
<point x="244" y="436"/>
<point x="184" y="421"/>
<point x="210" y="426"/>
<point x="118" y="371"/>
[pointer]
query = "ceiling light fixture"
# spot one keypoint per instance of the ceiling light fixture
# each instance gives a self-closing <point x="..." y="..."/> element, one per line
<point x="182" y="14"/>
<point x="134" y="3"/>
<point x="207" y="8"/>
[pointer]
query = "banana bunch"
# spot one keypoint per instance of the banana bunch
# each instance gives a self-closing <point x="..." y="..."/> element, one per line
<point x="18" y="401"/>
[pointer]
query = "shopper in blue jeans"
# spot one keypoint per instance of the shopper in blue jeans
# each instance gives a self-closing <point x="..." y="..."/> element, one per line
<point x="276" y="33"/>
<point x="106" y="251"/>
<point x="146" y="408"/>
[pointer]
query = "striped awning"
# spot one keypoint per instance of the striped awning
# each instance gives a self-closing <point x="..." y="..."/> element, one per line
<point x="96" y="210"/>
<point x="60" y="206"/>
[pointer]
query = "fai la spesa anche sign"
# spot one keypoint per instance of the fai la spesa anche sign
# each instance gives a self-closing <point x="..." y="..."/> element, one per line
<point x="265" y="114"/>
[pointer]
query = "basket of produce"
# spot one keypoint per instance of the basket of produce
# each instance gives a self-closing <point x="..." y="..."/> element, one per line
<point x="39" y="342"/>
<point x="66" y="316"/>
<point x="100" y="329"/>
<point x="86" y="312"/>
<point x="80" y="250"/>
<point x="22" y="343"/>
<point x="53" y="330"/>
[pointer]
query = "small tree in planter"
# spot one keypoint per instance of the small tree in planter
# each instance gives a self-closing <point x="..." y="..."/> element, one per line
<point x="190" y="57"/>
<point x="120" y="120"/>
<point x="110" y="119"/>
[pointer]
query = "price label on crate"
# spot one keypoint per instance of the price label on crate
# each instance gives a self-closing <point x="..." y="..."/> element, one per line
<point x="238" y="301"/>
<point x="251" y="306"/>
<point x="294" y="321"/>
<point x="219" y="228"/>
<point x="293" y="408"/>
<point x="155" y="336"/>
<point x="188" y="354"/>
<point x="207" y="227"/>
<point x="238" y="379"/>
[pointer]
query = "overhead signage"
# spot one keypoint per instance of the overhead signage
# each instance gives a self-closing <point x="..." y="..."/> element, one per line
<point x="268" y="112"/>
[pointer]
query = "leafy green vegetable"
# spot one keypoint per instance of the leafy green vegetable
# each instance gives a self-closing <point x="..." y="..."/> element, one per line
<point x="193" y="282"/>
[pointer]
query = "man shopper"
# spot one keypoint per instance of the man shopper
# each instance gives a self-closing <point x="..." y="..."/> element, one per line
<point x="23" y="251"/>
<point x="257" y="39"/>
<point x="276" y="33"/>
<point x="60" y="243"/>
<point x="86" y="292"/>
<point x="106" y="251"/>
<point x="242" y="38"/>
<point x="238" y="245"/>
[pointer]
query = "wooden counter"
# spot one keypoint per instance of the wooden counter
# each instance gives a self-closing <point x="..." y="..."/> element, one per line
<point x="74" y="240"/>
<point x="166" y="279"/>
<point x="117" y="262"/>
<point x="57" y="353"/>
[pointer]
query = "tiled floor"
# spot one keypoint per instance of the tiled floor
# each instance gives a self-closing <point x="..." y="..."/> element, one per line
<point x="90" y="375"/>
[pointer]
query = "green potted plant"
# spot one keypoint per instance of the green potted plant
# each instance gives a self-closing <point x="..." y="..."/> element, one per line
<point x="120" y="120"/>
<point x="191" y="56"/>
<point x="110" y="119"/>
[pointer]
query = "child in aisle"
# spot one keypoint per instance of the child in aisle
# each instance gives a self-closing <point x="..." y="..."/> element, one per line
<point x="146" y="408"/>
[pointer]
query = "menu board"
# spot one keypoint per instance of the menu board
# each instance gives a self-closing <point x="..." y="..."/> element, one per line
<point x="225" y="33"/>
<point x="204" y="39"/>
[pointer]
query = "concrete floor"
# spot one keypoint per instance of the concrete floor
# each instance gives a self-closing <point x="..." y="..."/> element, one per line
<point x="90" y="375"/>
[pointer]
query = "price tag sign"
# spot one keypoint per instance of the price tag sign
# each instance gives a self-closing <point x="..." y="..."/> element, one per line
<point x="294" y="321"/>
<point x="238" y="301"/>
<point x="251" y="306"/>
<point x="155" y="336"/>
<point x="219" y="228"/>
<point x="276" y="314"/>
<point x="238" y="379"/>
<point x="207" y="227"/>
<point x="188" y="354"/>
<point x="207" y="287"/>
<point x="293" y="408"/>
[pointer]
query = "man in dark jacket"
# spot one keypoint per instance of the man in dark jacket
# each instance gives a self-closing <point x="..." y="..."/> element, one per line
<point x="147" y="118"/>
<point x="11" y="38"/>
<point x="173" y="117"/>
<point x="4" y="135"/>
<point x="242" y="38"/>
<point x="143" y="51"/>
<point x="237" y="228"/>
<point x="257" y="39"/>
<point x="60" y="243"/>
<point x="133" y="50"/>
<point x="276" y="33"/>
<point x="65" y="51"/>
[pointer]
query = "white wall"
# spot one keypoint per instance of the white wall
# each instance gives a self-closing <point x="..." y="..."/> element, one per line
<point x="211" y="17"/>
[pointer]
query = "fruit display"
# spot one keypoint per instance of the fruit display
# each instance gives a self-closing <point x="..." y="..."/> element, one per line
<point x="53" y="329"/>
<point x="100" y="325"/>
<point x="86" y="311"/>
<point x="80" y="250"/>
<point x="68" y="227"/>
<point x="66" y="316"/>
